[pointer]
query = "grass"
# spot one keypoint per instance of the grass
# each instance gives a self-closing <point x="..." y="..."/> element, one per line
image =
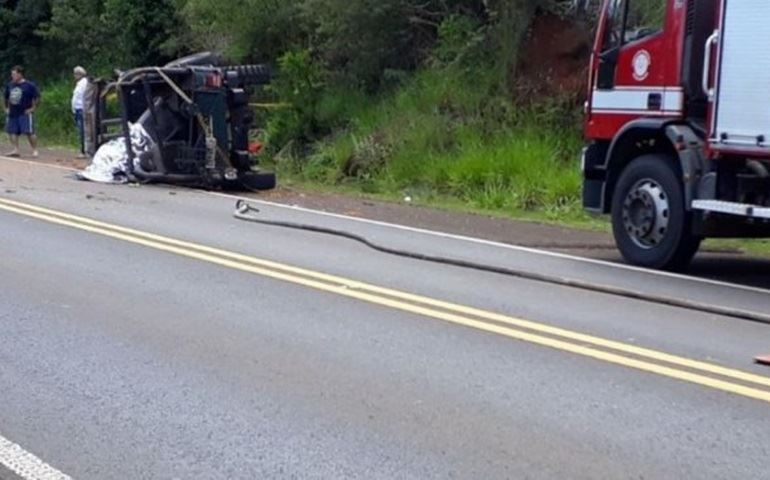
<point x="752" y="246"/>
<point x="447" y="138"/>
<point x="56" y="126"/>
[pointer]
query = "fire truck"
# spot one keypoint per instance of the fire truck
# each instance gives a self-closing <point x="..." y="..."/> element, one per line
<point x="678" y="125"/>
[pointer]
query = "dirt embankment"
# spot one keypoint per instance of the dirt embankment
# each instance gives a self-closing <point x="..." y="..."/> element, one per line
<point x="554" y="59"/>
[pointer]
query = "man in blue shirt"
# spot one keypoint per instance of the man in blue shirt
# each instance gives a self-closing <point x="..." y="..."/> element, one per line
<point x="21" y="99"/>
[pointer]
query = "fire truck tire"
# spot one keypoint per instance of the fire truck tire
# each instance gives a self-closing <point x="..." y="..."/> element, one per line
<point x="651" y="226"/>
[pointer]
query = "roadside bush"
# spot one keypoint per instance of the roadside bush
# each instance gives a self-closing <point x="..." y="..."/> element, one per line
<point x="364" y="39"/>
<point x="370" y="155"/>
<point x="54" y="116"/>
<point x="446" y="134"/>
<point x="458" y="38"/>
<point x="299" y="85"/>
<point x="244" y="30"/>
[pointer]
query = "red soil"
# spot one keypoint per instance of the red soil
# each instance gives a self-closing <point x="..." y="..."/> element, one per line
<point x="555" y="59"/>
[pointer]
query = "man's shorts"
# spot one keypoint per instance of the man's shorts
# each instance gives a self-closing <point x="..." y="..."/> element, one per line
<point x="21" y="125"/>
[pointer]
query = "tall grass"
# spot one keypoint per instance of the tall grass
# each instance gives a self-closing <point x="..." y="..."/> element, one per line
<point x="55" y="124"/>
<point x="448" y="137"/>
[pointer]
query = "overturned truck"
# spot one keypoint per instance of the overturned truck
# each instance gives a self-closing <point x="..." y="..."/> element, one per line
<point x="187" y="122"/>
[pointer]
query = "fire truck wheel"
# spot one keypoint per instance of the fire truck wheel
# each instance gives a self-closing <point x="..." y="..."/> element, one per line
<point x="649" y="221"/>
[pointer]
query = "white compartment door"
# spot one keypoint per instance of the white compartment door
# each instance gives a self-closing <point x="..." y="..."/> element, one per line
<point x="742" y="103"/>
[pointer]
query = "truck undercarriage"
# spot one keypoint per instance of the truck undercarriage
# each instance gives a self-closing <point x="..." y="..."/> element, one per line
<point x="191" y="117"/>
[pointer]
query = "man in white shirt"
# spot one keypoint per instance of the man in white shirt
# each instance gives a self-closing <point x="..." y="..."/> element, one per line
<point x="81" y="82"/>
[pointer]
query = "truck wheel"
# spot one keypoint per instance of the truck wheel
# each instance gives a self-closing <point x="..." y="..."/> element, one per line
<point x="651" y="226"/>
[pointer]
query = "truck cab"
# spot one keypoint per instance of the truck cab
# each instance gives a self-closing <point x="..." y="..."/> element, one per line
<point x="678" y="125"/>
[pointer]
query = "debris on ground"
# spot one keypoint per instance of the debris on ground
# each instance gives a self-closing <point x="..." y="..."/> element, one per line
<point x="763" y="359"/>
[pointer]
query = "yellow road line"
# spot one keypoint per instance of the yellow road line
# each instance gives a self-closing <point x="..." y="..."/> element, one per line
<point x="452" y="307"/>
<point x="374" y="295"/>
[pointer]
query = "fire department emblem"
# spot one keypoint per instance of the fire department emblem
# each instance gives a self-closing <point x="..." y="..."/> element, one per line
<point x="641" y="64"/>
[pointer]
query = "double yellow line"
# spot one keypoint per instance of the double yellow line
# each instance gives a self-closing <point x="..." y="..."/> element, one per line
<point x="705" y="374"/>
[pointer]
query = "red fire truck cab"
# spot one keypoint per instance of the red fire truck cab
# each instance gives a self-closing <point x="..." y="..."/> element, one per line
<point x="678" y="123"/>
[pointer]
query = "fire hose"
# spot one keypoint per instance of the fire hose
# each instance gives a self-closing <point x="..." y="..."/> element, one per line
<point x="247" y="212"/>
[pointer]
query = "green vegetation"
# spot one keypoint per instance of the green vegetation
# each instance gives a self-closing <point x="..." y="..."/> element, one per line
<point x="416" y="100"/>
<point x="55" y="122"/>
<point x="443" y="136"/>
<point x="392" y="98"/>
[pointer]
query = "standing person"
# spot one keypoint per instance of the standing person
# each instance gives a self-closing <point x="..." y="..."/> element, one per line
<point x="78" y="95"/>
<point x="21" y="99"/>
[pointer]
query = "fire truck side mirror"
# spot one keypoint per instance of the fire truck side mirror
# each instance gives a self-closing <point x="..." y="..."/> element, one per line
<point x="608" y="62"/>
<point x="610" y="56"/>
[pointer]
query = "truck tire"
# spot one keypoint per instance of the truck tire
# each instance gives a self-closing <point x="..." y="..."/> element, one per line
<point x="651" y="226"/>
<point x="253" y="181"/>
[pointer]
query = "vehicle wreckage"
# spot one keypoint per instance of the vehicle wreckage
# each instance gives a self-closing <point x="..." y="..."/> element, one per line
<point x="187" y="122"/>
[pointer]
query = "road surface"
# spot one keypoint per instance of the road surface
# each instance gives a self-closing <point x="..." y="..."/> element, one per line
<point x="148" y="334"/>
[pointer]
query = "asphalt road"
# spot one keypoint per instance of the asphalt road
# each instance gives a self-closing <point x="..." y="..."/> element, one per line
<point x="148" y="334"/>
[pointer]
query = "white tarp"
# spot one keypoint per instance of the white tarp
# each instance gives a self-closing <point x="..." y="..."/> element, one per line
<point x="110" y="163"/>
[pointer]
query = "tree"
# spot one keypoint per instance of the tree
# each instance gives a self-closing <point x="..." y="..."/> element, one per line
<point x="109" y="34"/>
<point x="21" y="42"/>
<point x="144" y="30"/>
<point x="362" y="39"/>
<point x="244" y="30"/>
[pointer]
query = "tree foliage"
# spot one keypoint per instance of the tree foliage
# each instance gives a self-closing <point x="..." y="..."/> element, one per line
<point x="108" y="34"/>
<point x="21" y="41"/>
<point x="244" y="30"/>
<point x="357" y="41"/>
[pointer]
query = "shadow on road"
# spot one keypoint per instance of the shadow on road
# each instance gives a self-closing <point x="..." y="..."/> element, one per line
<point x="739" y="269"/>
